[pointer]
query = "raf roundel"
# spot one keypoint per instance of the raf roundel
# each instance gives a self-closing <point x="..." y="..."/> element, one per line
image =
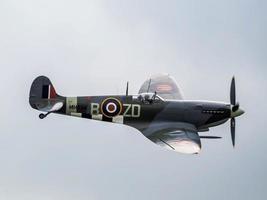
<point x="111" y="107"/>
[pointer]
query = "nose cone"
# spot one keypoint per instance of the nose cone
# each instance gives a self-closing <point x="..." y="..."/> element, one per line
<point x="241" y="112"/>
<point x="237" y="113"/>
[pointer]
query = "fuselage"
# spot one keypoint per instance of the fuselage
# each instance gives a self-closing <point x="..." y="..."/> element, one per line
<point x="129" y="110"/>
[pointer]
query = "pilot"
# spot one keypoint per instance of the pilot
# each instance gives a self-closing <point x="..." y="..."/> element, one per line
<point x="148" y="99"/>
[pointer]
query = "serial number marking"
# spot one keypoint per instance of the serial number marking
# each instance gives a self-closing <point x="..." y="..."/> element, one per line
<point x="77" y="107"/>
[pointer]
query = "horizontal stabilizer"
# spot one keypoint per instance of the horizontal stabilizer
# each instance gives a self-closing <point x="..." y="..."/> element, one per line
<point x="50" y="106"/>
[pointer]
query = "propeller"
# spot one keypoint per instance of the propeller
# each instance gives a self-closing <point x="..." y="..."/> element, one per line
<point x="235" y="110"/>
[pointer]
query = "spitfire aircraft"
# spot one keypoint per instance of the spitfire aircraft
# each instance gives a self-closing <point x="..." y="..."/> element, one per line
<point x="158" y="111"/>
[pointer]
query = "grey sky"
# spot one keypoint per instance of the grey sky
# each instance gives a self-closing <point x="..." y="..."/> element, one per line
<point x="95" y="47"/>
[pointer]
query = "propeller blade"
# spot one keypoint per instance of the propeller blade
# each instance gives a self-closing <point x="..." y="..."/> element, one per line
<point x="232" y="92"/>
<point x="233" y="131"/>
<point x="210" y="137"/>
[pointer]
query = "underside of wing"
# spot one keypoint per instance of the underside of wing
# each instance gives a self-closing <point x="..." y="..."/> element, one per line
<point x="179" y="140"/>
<point x="165" y="86"/>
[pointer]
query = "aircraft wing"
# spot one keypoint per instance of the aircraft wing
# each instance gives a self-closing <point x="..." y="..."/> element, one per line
<point x="182" y="138"/>
<point x="165" y="86"/>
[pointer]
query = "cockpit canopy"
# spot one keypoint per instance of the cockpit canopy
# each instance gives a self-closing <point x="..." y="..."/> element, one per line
<point x="165" y="86"/>
<point x="149" y="98"/>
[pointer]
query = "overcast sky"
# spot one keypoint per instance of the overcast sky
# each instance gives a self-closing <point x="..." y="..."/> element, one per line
<point x="95" y="47"/>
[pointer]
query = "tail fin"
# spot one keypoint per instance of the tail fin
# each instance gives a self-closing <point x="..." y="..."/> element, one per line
<point x="42" y="90"/>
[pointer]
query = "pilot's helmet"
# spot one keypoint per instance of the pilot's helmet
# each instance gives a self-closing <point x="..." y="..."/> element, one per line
<point x="147" y="97"/>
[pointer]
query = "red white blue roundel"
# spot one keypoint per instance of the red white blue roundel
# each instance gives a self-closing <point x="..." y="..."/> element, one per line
<point x="111" y="107"/>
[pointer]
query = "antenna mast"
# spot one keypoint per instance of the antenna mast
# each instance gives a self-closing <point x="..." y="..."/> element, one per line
<point x="127" y="88"/>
